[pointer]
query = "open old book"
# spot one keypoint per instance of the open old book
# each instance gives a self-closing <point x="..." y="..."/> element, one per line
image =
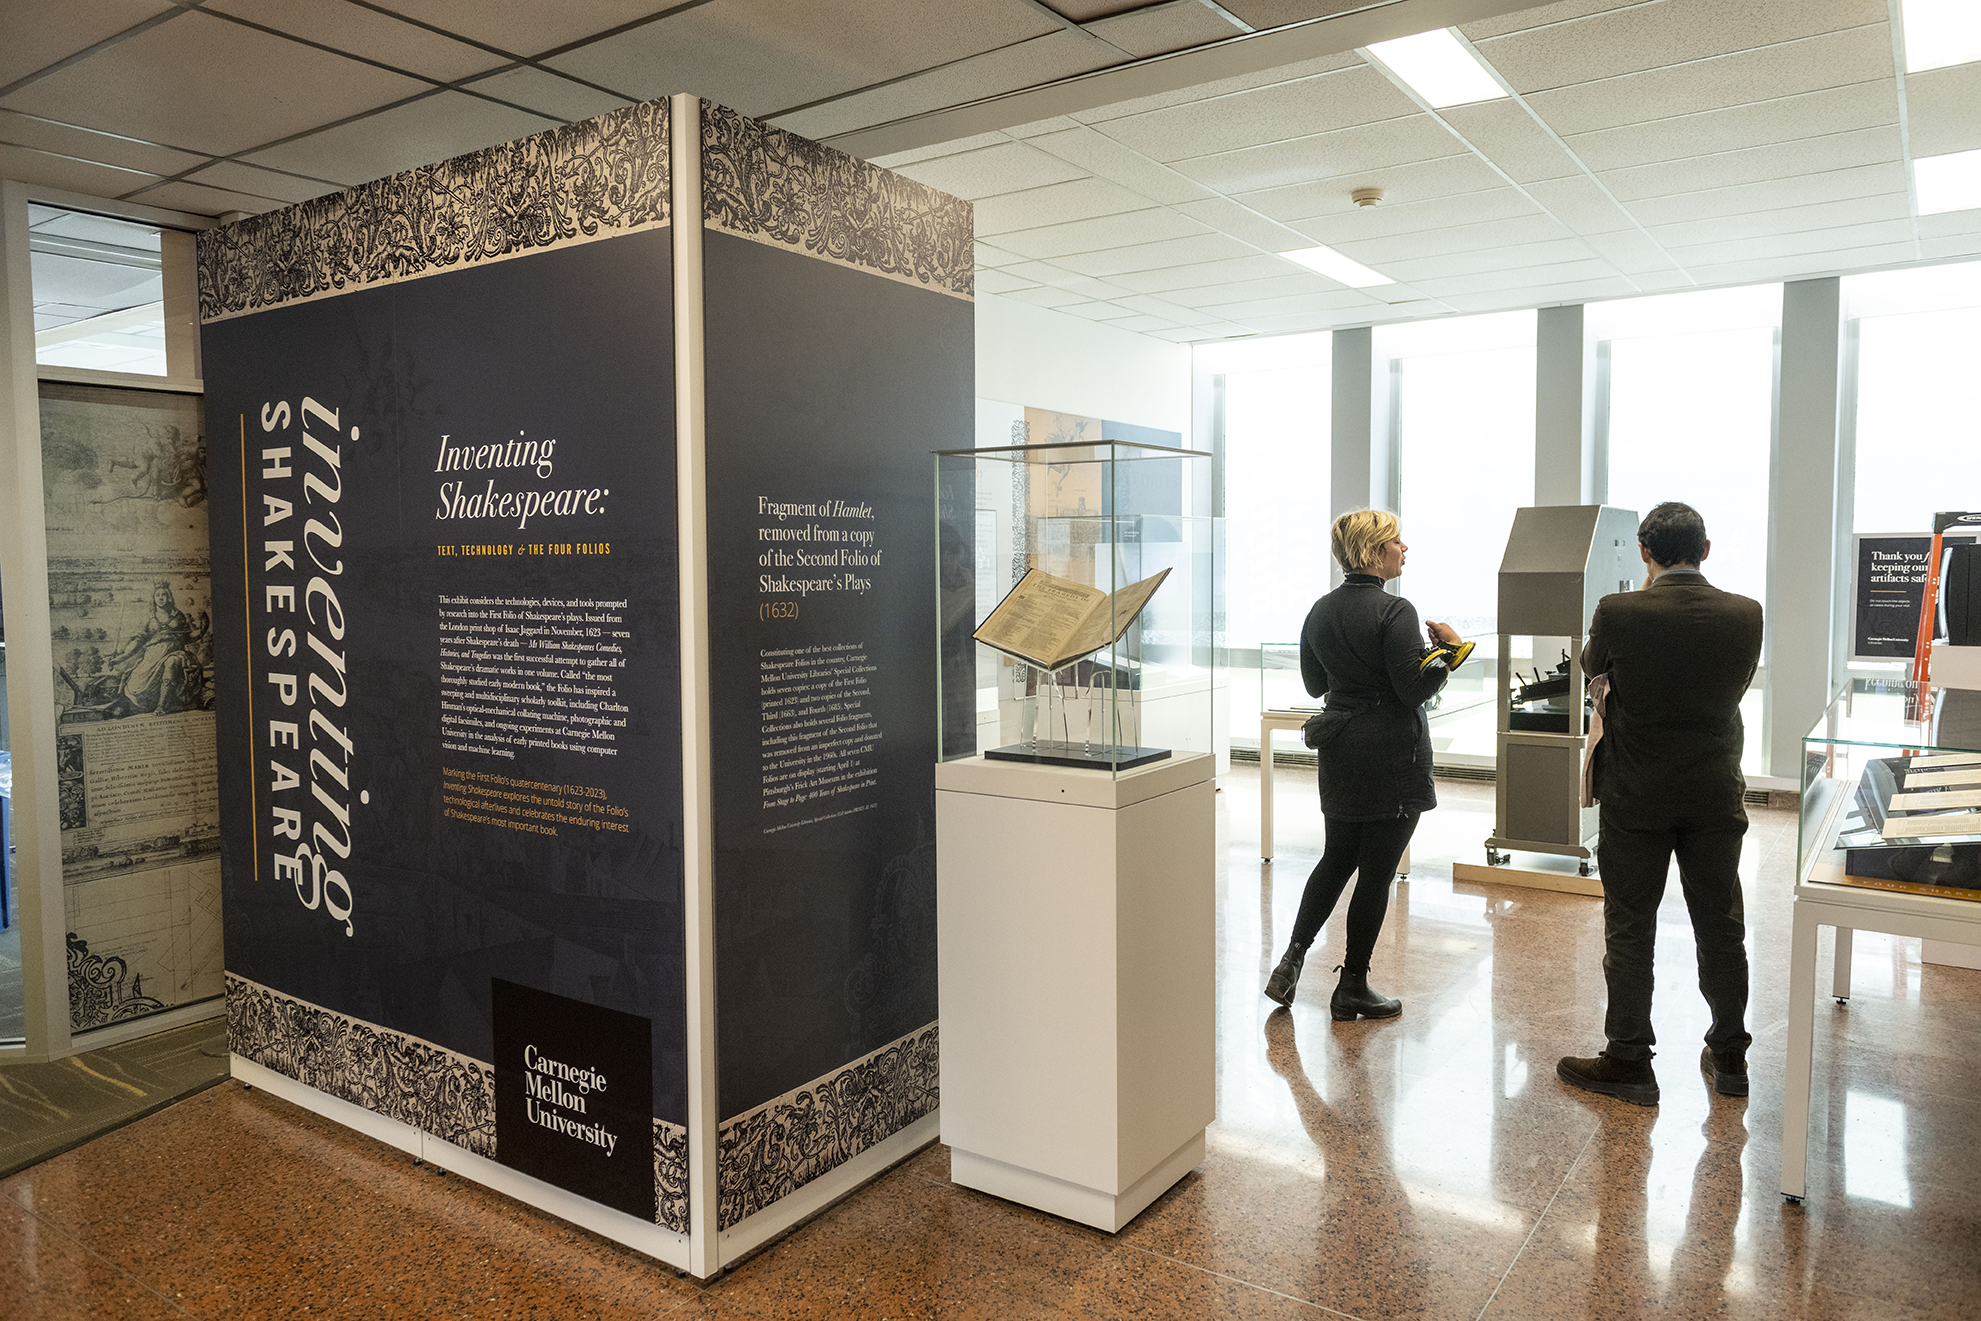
<point x="1052" y="622"/>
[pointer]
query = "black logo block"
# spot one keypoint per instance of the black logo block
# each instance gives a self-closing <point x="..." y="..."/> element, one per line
<point x="574" y="1096"/>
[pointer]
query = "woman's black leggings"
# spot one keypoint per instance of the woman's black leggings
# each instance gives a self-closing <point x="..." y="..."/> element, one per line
<point x="1370" y="850"/>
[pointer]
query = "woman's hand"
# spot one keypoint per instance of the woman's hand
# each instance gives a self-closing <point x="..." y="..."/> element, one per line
<point x="1444" y="633"/>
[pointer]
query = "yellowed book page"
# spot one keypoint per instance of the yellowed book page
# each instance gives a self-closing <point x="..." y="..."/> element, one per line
<point x="1926" y="827"/>
<point x="1943" y="759"/>
<point x="1930" y="802"/>
<point x="1035" y="620"/>
<point x="1104" y="625"/>
<point x="1941" y="779"/>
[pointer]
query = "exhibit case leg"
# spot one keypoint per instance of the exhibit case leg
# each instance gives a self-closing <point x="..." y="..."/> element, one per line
<point x="1075" y="938"/>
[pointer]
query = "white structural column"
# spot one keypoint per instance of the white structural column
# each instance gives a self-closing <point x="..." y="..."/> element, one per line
<point x="1805" y="522"/>
<point x="1567" y="468"/>
<point x="1361" y="457"/>
<point x="698" y="818"/>
<point x="30" y="672"/>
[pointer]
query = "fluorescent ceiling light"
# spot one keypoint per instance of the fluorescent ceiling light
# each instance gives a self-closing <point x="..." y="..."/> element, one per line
<point x="1948" y="183"/>
<point x="1940" y="32"/>
<point x="1439" y="69"/>
<point x="1337" y="267"/>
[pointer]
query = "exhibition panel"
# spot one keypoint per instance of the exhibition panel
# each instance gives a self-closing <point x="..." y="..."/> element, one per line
<point x="575" y="737"/>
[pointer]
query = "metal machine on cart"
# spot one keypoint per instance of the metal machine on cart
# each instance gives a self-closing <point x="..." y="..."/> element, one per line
<point x="1560" y="560"/>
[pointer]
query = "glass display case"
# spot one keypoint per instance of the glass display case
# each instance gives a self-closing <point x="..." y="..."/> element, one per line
<point x="1891" y="790"/>
<point x="1077" y="603"/>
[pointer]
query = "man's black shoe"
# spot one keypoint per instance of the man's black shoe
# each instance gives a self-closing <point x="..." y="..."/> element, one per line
<point x="1628" y="1080"/>
<point x="1727" y="1071"/>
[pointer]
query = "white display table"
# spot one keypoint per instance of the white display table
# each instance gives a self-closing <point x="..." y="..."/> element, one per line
<point x="1075" y="936"/>
<point x="1268" y="722"/>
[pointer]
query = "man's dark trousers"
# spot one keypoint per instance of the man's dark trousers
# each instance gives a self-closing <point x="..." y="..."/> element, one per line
<point x="1634" y="854"/>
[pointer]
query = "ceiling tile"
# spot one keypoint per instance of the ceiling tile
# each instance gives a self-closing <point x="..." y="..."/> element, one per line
<point x="1539" y="16"/>
<point x="1244" y="224"/>
<point x="1059" y="54"/>
<point x="1040" y="127"/>
<point x="1838" y="151"/>
<point x="1096" y="311"/>
<point x="1220" y="87"/>
<point x="1289" y="283"/>
<point x="1034" y="208"/>
<point x="1377" y="250"/>
<point x="1507" y="136"/>
<point x="1837" y="110"/>
<point x="203" y="201"/>
<point x="1160" y="29"/>
<point x="1804" y="266"/>
<point x="1264" y="14"/>
<point x="1142" y="324"/>
<point x="1083" y="11"/>
<point x="1300" y="304"/>
<point x="1964" y="245"/>
<point x="1153" y="306"/>
<point x="1004" y="168"/>
<point x="1448" y="177"/>
<point x="1293" y="323"/>
<point x="1107" y="232"/>
<point x="1948" y="224"/>
<point x="39" y="35"/>
<point x="525" y="27"/>
<point x="1371" y="147"/>
<point x="1350" y="222"/>
<point x="987" y="255"/>
<point x="1268" y="114"/>
<point x="765" y="56"/>
<point x="76" y="283"/>
<point x="1158" y="256"/>
<point x="1095" y="152"/>
<point x="1582" y="204"/>
<point x="433" y="128"/>
<point x="993" y="281"/>
<point x="1692" y="256"/>
<point x="1632" y="251"/>
<point x="1794" y="190"/>
<point x="1560" y="272"/>
<point x="1943" y="110"/>
<point x="1476" y="261"/>
<point x="1044" y="295"/>
<point x="50" y="171"/>
<point x="1239" y="270"/>
<point x="355" y="30"/>
<point x="1787" y="220"/>
<point x="896" y="159"/>
<point x="1573" y="291"/>
<point x="204" y="84"/>
<point x="260" y="183"/>
<point x="65" y="140"/>
<point x="1649" y="36"/>
<point x="1833" y="59"/>
<point x="546" y="93"/>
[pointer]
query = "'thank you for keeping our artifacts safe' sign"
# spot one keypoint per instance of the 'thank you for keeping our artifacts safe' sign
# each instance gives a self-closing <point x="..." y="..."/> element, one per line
<point x="573" y="1096"/>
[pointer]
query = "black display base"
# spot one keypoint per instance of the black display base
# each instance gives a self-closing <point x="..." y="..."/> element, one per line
<point x="1075" y="754"/>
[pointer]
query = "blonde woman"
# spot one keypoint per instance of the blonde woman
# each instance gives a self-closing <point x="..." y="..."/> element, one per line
<point x="1361" y="649"/>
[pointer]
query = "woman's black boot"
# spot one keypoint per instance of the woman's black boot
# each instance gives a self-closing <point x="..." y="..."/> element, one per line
<point x="1279" y="986"/>
<point x="1353" y="999"/>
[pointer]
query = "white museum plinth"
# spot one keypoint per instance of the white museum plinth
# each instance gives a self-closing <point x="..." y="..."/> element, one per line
<point x="1075" y="937"/>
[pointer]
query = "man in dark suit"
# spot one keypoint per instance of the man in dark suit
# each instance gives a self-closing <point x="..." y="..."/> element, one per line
<point x="1679" y="655"/>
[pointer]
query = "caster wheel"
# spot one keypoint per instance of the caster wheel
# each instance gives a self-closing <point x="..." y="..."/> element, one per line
<point x="1842" y="1000"/>
<point x="1582" y="869"/>
<point x="1791" y="1199"/>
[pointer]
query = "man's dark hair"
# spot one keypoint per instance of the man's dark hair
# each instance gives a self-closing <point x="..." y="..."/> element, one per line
<point x="1673" y="533"/>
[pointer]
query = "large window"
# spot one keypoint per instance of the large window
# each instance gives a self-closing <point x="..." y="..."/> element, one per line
<point x="1918" y="395"/>
<point x="1465" y="423"/>
<point x="99" y="295"/>
<point x="1691" y="386"/>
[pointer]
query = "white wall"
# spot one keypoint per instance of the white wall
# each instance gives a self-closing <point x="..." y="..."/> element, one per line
<point x="1038" y="358"/>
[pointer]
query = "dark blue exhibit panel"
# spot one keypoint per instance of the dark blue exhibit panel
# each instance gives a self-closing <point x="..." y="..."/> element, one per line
<point x="828" y="387"/>
<point x="445" y="581"/>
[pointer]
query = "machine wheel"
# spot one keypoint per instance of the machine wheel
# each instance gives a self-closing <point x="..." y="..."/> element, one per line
<point x="1582" y="867"/>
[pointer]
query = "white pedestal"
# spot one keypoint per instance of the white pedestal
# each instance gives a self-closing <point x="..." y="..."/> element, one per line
<point x="1075" y="939"/>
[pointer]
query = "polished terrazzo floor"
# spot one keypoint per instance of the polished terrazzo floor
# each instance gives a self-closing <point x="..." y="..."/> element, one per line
<point x="1427" y="1166"/>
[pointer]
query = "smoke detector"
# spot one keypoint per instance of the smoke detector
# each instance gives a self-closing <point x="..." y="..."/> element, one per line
<point x="1366" y="196"/>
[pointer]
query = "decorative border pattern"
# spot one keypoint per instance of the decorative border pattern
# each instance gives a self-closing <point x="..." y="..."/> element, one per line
<point x="762" y="183"/>
<point x="595" y="179"/>
<point x="402" y="1077"/>
<point x="779" y="1147"/>
<point x="103" y="989"/>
